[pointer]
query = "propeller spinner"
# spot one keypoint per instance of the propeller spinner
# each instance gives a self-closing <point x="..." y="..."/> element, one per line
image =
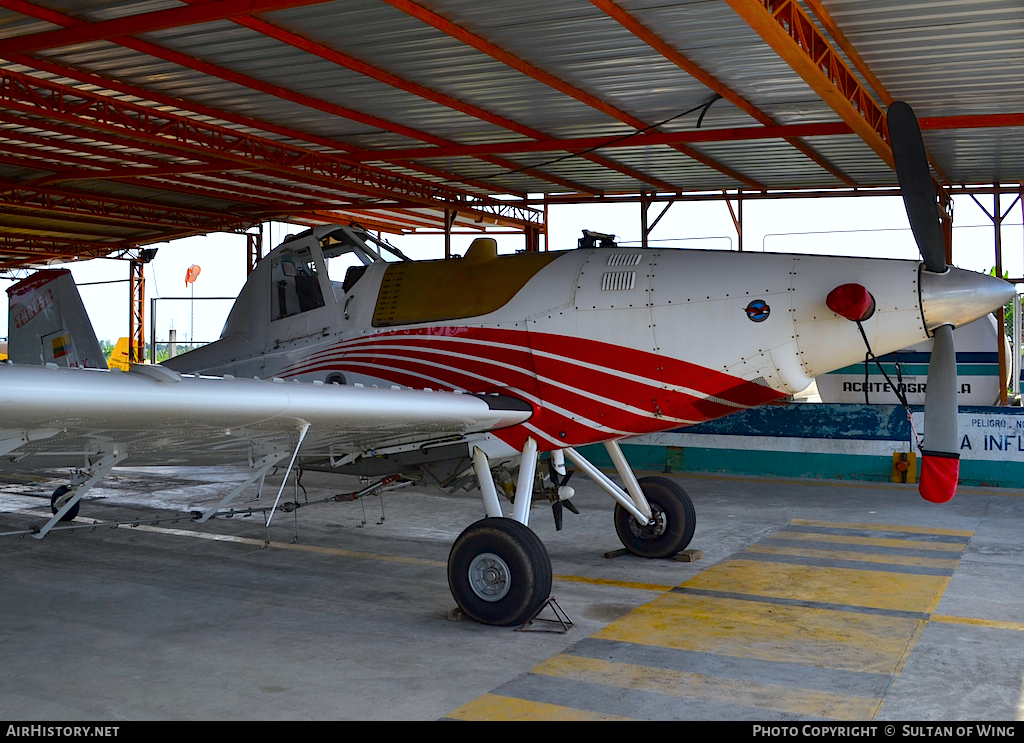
<point x="949" y="297"/>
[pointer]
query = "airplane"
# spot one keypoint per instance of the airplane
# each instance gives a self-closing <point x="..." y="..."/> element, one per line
<point x="460" y="373"/>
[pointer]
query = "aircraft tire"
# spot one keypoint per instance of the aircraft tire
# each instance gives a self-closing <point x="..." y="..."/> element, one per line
<point x="673" y="513"/>
<point x="58" y="493"/>
<point x="499" y="572"/>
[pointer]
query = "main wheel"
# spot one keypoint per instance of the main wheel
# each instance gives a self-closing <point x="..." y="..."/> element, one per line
<point x="57" y="495"/>
<point x="674" y="520"/>
<point x="499" y="572"/>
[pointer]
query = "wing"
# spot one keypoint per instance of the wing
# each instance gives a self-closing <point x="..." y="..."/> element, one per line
<point x="59" y="416"/>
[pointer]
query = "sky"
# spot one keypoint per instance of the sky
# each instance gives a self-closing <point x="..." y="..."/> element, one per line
<point x="857" y="226"/>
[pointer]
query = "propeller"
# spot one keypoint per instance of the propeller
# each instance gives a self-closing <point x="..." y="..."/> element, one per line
<point x="560" y="481"/>
<point x="940" y="457"/>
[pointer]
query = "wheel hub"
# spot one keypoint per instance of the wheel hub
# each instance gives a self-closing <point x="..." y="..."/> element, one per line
<point x="653" y="531"/>
<point x="489" y="577"/>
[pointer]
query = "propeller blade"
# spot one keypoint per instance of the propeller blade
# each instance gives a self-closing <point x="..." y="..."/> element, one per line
<point x="556" y="509"/>
<point x="916" y="185"/>
<point x="940" y="457"/>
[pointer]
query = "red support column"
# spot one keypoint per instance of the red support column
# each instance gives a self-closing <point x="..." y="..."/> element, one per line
<point x="946" y="215"/>
<point x="136" y="311"/>
<point x="254" y="243"/>
<point x="532" y="239"/>
<point x="645" y="204"/>
<point x="449" y="221"/>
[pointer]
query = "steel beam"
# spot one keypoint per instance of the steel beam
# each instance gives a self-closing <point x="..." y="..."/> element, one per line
<point x="139" y="23"/>
<point x="786" y="28"/>
<point x="240" y="79"/>
<point x="202" y="140"/>
<point x="118" y="209"/>
<point x="51" y="248"/>
<point x="351" y="63"/>
<point x="840" y="39"/>
<point x="102" y="82"/>
<point x="643" y="33"/>
<point x="786" y="131"/>
<point x="635" y="140"/>
<point x="505" y="57"/>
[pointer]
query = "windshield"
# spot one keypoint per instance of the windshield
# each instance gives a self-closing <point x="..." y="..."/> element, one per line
<point x="348" y="248"/>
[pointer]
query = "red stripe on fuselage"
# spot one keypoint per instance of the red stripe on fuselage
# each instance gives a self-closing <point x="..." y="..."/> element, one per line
<point x="492" y="360"/>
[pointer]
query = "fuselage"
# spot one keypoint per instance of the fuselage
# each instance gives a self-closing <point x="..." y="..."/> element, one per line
<point x="604" y="343"/>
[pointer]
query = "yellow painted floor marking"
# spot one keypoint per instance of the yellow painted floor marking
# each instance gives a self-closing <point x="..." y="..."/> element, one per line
<point x="993" y="623"/>
<point x="923" y="562"/>
<point x="749" y="629"/>
<point x="763" y="630"/>
<point x="701" y="686"/>
<point x="875" y="589"/>
<point x="496" y="707"/>
<point x="885" y="527"/>
<point x="616" y="583"/>
<point x="910" y="544"/>
<point x="938" y="594"/>
<point x="344" y="552"/>
<point x="911" y="644"/>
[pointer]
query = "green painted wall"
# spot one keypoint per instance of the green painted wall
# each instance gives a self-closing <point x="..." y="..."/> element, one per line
<point x="792" y="464"/>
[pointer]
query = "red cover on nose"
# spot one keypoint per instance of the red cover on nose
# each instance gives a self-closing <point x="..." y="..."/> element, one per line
<point x="940" y="474"/>
<point x="852" y="301"/>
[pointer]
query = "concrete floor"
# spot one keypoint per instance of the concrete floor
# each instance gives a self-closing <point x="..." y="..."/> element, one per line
<point x="812" y="601"/>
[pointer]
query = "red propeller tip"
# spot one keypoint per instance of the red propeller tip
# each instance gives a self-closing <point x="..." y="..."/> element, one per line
<point x="940" y="473"/>
<point x="852" y="301"/>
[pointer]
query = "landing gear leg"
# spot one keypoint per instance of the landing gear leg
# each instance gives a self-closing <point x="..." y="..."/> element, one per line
<point x="655" y="518"/>
<point x="498" y="569"/>
<point x="57" y="500"/>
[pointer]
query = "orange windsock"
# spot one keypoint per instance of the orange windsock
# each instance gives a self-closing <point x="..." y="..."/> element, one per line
<point x="192" y="273"/>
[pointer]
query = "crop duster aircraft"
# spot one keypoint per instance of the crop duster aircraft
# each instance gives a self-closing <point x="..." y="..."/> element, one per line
<point x="462" y="372"/>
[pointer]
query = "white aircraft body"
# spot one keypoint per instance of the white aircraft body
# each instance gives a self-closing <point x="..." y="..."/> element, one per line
<point x="461" y="372"/>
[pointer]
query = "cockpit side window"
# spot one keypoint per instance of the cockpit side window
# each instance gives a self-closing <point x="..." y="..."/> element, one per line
<point x="352" y="275"/>
<point x="295" y="287"/>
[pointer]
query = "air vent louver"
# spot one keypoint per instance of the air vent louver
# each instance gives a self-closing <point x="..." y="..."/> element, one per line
<point x="624" y="259"/>
<point x="618" y="281"/>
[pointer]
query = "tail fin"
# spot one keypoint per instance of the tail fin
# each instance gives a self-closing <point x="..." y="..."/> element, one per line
<point x="119" y="356"/>
<point x="47" y="323"/>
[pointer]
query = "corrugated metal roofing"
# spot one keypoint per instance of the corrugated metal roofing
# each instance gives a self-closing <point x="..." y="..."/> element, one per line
<point x="345" y="80"/>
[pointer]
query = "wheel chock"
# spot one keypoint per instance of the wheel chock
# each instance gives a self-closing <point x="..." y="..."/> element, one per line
<point x="689" y="555"/>
<point x="560" y="624"/>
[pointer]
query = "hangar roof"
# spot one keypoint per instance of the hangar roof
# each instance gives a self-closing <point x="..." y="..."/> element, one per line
<point x="129" y="123"/>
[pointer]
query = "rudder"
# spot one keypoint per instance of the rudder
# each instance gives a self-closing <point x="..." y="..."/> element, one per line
<point x="47" y="323"/>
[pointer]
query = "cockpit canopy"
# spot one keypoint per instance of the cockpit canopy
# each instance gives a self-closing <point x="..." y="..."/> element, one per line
<point x="304" y="273"/>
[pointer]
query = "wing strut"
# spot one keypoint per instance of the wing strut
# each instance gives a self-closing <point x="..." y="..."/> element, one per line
<point x="259" y="469"/>
<point x="97" y="471"/>
<point x="302" y="435"/>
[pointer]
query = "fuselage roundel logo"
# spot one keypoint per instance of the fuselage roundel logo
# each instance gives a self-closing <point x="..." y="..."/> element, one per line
<point x="758" y="310"/>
